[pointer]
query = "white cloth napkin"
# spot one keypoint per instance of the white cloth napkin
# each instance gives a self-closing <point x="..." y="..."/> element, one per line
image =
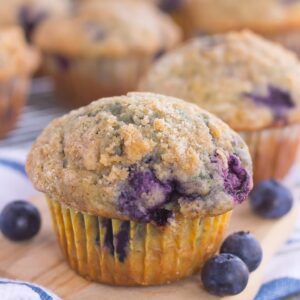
<point x="19" y="290"/>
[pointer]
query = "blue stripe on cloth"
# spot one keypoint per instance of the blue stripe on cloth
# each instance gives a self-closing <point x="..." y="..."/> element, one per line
<point x="279" y="289"/>
<point x="43" y="295"/>
<point x="13" y="165"/>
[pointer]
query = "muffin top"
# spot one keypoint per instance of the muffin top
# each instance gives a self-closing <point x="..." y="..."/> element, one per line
<point x="16" y="57"/>
<point x="247" y="81"/>
<point x="142" y="157"/>
<point x="29" y="13"/>
<point x="111" y="29"/>
<point x="264" y="16"/>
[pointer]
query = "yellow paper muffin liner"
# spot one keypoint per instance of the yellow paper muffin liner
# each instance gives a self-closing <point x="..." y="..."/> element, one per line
<point x="273" y="151"/>
<point x="152" y="255"/>
<point x="13" y="93"/>
<point x="81" y="81"/>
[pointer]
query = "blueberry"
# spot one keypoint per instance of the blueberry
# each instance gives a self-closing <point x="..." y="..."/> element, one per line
<point x="278" y="100"/>
<point x="161" y="216"/>
<point x="225" y="275"/>
<point x="29" y="20"/>
<point x="20" y="220"/>
<point x="141" y="186"/>
<point x="170" y="6"/>
<point x="159" y="53"/>
<point x="62" y="62"/>
<point x="246" y="247"/>
<point x="237" y="181"/>
<point x="270" y="199"/>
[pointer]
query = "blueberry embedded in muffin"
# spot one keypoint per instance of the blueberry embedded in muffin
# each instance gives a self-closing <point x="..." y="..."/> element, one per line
<point x="277" y="99"/>
<point x="30" y="19"/>
<point x="170" y="6"/>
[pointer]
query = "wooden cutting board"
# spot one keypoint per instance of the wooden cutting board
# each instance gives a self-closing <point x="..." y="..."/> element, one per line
<point x="41" y="261"/>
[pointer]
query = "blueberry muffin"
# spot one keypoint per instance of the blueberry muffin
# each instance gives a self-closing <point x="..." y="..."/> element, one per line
<point x="140" y="186"/>
<point x="17" y="62"/>
<point x="104" y="48"/>
<point x="30" y="13"/>
<point x="275" y="19"/>
<point x="250" y="83"/>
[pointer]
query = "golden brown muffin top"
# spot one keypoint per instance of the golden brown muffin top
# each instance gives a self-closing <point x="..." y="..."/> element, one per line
<point x="264" y="16"/>
<point x="110" y="29"/>
<point x="247" y="81"/>
<point x="17" y="58"/>
<point x="141" y="156"/>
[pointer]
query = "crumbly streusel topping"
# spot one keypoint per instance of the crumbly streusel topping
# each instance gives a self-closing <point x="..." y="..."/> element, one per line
<point x="16" y="57"/>
<point x="245" y="80"/>
<point x="111" y="29"/>
<point x="141" y="156"/>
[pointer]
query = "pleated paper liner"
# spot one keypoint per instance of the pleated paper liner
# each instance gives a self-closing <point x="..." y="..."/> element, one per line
<point x="130" y="253"/>
<point x="273" y="151"/>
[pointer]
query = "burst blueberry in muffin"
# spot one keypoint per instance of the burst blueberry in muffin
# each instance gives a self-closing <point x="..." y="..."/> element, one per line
<point x="104" y="48"/>
<point x="140" y="186"/>
<point x="249" y="82"/>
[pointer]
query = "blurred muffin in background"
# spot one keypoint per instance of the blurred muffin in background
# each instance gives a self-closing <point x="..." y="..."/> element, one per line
<point x="105" y="48"/>
<point x="17" y="62"/>
<point x="30" y="13"/>
<point x="249" y="82"/>
<point x="275" y="19"/>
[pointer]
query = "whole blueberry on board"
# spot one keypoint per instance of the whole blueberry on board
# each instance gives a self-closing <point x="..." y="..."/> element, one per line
<point x="225" y="275"/>
<point x="20" y="220"/>
<point x="270" y="199"/>
<point x="246" y="247"/>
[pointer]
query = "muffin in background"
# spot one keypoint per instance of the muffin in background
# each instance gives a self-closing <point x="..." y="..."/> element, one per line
<point x="105" y="48"/>
<point x="249" y="82"/>
<point x="30" y="13"/>
<point x="17" y="63"/>
<point x="141" y="186"/>
<point x="278" y="20"/>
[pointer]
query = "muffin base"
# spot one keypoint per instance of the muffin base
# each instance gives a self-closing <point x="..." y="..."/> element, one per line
<point x="12" y="100"/>
<point x="273" y="151"/>
<point x="81" y="81"/>
<point x="152" y="255"/>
